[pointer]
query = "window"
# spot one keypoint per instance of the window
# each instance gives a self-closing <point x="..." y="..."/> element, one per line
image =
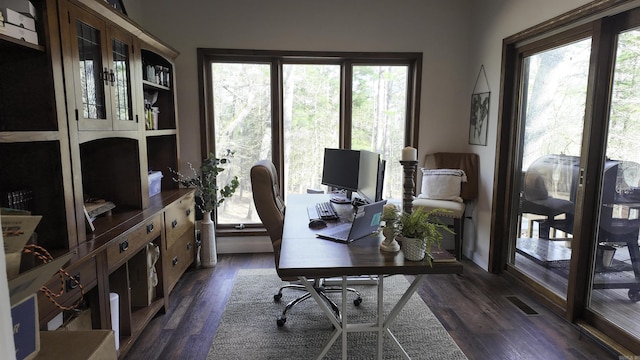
<point x="289" y="106"/>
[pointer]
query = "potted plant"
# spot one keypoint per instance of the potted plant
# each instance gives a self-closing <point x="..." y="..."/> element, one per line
<point x="209" y="197"/>
<point x="420" y="230"/>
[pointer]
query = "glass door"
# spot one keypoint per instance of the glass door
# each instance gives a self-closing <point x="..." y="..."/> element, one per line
<point x="551" y="121"/>
<point x="120" y="80"/>
<point x="102" y="57"/>
<point x="90" y="71"/>
<point x="615" y="273"/>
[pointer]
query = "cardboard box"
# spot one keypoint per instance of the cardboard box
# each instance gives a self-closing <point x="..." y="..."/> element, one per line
<point x="22" y="6"/>
<point x="18" y="19"/>
<point x="24" y="306"/>
<point x="21" y="33"/>
<point x="24" y="315"/>
<point x="77" y="345"/>
<point x="80" y="322"/>
<point x="155" y="184"/>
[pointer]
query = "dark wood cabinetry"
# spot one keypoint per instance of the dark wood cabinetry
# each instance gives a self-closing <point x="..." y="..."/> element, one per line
<point x="81" y="117"/>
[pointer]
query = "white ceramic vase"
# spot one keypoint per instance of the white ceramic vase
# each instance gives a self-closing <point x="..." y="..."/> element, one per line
<point x="208" y="254"/>
<point x="412" y="249"/>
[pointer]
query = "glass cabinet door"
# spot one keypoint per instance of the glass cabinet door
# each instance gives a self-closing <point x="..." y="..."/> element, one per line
<point x="120" y="80"/>
<point x="91" y="72"/>
<point x="102" y="57"/>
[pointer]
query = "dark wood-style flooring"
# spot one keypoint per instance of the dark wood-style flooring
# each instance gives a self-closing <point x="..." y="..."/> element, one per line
<point x="474" y="308"/>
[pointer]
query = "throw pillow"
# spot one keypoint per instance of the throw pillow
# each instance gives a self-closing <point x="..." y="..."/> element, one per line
<point x="442" y="184"/>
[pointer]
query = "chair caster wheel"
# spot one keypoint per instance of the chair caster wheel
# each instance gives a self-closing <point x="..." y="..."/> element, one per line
<point x="277" y="297"/>
<point x="357" y="301"/>
<point x="634" y="295"/>
<point x="281" y="321"/>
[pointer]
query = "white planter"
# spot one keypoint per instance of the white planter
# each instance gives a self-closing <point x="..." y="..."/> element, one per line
<point x="208" y="255"/>
<point x="412" y="249"/>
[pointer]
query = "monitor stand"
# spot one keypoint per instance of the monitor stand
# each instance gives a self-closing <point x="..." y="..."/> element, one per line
<point x="337" y="199"/>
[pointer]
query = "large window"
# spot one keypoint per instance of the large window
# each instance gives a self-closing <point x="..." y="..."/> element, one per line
<point x="289" y="106"/>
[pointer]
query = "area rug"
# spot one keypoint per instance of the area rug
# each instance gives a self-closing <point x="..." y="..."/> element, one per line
<point x="248" y="327"/>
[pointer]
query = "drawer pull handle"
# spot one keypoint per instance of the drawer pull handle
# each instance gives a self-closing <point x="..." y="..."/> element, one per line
<point x="124" y="246"/>
<point x="174" y="223"/>
<point x="188" y="212"/>
<point x="149" y="228"/>
<point x="188" y="246"/>
<point x="174" y="261"/>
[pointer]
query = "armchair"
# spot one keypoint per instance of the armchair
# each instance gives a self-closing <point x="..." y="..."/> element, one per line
<point x="467" y="162"/>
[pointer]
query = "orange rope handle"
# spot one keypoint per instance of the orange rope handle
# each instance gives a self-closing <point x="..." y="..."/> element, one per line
<point x="42" y="254"/>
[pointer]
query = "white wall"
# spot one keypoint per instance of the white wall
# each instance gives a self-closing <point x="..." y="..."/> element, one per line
<point x="456" y="37"/>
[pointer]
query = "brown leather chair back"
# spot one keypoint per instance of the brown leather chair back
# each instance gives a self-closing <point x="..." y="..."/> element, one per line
<point x="468" y="162"/>
<point x="268" y="201"/>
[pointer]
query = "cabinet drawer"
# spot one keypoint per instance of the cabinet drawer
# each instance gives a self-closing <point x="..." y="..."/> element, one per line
<point x="180" y="256"/>
<point x="86" y="271"/>
<point x="178" y="218"/>
<point x="127" y="245"/>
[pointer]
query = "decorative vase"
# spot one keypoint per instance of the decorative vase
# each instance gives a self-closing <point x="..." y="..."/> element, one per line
<point x="208" y="255"/>
<point x="413" y="249"/>
<point x="389" y="244"/>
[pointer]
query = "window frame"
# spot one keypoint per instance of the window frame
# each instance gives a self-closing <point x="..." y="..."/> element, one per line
<point x="278" y="58"/>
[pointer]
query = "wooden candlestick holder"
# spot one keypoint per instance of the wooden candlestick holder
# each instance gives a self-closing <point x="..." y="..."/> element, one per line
<point x="409" y="184"/>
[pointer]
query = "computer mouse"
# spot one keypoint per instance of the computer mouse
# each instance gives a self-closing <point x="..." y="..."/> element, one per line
<point x="317" y="224"/>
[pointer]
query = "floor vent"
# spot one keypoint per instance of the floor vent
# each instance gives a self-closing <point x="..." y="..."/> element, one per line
<point x="526" y="309"/>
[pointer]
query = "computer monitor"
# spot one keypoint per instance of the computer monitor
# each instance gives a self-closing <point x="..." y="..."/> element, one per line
<point x="368" y="176"/>
<point x="354" y="171"/>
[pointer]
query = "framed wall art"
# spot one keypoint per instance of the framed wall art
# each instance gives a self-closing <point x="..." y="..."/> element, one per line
<point x="479" y="120"/>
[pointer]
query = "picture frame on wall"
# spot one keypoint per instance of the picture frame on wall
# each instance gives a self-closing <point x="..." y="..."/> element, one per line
<point x="479" y="120"/>
<point x="118" y="5"/>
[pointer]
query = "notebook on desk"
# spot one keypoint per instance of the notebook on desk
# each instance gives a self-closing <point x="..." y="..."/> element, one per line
<point x="365" y="221"/>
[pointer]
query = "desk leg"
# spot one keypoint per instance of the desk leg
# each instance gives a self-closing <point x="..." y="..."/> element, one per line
<point x="380" y="325"/>
<point x="396" y="310"/>
<point x="338" y="329"/>
<point x="343" y="313"/>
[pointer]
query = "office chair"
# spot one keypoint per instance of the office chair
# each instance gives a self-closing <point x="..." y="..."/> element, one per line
<point x="469" y="163"/>
<point x="271" y="209"/>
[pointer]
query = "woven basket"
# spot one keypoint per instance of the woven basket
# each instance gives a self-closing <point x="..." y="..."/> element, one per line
<point x="412" y="249"/>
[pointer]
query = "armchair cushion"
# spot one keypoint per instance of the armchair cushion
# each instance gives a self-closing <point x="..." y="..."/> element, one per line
<point x="442" y="184"/>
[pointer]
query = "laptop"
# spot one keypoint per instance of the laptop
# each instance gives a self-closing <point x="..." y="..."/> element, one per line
<point x="365" y="221"/>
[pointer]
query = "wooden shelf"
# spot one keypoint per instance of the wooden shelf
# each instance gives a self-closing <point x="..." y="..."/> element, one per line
<point x="6" y="40"/>
<point x="28" y="136"/>
<point x="140" y="319"/>
<point x="149" y="84"/>
<point x="150" y="133"/>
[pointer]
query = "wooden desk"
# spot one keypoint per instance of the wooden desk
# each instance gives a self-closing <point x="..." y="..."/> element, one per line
<point x="304" y="255"/>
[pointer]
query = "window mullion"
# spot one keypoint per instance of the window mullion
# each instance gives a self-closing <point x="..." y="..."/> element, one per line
<point x="346" y="100"/>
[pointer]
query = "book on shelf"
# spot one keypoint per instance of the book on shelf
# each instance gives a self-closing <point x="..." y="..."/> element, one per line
<point x="440" y="255"/>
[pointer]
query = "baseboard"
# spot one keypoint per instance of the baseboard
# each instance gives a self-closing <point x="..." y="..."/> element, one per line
<point x="239" y="244"/>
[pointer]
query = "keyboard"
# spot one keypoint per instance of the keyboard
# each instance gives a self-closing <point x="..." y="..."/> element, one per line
<point x="326" y="211"/>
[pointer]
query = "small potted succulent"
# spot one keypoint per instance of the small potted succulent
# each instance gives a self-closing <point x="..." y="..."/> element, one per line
<point x="419" y="231"/>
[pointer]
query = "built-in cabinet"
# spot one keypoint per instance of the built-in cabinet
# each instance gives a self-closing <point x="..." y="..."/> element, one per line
<point x="86" y="115"/>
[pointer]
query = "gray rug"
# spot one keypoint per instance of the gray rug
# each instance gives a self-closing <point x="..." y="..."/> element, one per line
<point x="248" y="327"/>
